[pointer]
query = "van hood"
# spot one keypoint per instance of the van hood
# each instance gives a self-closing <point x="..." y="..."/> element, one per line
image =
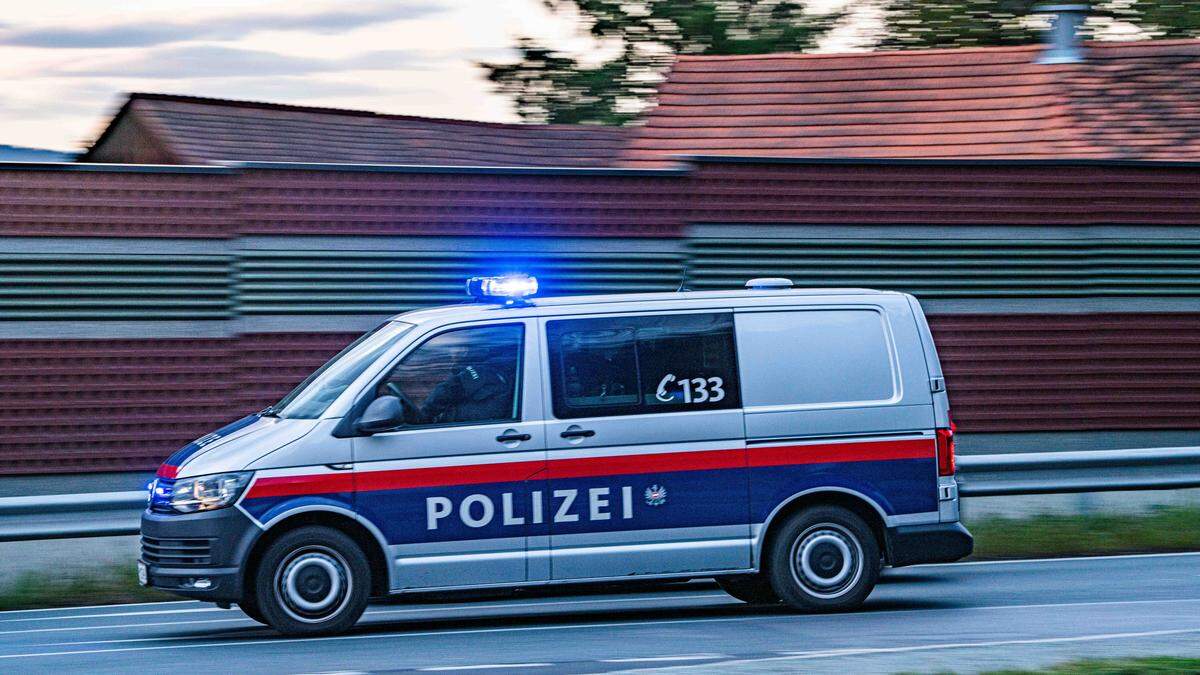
<point x="234" y="446"/>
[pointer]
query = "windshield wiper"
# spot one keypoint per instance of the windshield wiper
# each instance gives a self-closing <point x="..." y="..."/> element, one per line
<point x="268" y="411"/>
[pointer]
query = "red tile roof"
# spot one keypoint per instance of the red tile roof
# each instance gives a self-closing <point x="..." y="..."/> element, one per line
<point x="1127" y="100"/>
<point x="193" y="130"/>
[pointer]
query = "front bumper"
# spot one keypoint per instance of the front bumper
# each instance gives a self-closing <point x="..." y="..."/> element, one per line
<point x="933" y="543"/>
<point x="197" y="555"/>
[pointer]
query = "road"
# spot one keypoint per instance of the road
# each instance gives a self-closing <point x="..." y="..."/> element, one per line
<point x="961" y="617"/>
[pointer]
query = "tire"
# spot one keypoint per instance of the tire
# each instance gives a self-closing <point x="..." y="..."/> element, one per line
<point x="754" y="589"/>
<point x="312" y="581"/>
<point x="250" y="608"/>
<point x="824" y="559"/>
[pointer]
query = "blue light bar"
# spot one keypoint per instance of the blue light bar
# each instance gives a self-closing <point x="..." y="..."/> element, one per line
<point x="509" y="288"/>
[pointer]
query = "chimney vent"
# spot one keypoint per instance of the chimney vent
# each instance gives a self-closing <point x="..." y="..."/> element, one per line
<point x="1063" y="44"/>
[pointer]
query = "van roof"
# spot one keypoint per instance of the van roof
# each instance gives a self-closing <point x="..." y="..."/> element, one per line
<point x="564" y="304"/>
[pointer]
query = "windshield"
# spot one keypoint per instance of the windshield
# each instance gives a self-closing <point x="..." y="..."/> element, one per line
<point x="319" y="390"/>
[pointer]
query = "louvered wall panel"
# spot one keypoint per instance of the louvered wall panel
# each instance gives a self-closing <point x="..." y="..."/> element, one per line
<point x="1091" y="372"/>
<point x="37" y="286"/>
<point x="109" y="405"/>
<point x="957" y="268"/>
<point x="376" y="282"/>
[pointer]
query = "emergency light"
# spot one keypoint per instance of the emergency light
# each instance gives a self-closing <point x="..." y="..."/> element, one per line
<point x="507" y="289"/>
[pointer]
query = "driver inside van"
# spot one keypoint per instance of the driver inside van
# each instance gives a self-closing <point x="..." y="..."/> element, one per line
<point x="477" y="388"/>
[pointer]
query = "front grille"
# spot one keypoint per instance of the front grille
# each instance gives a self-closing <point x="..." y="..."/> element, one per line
<point x="177" y="552"/>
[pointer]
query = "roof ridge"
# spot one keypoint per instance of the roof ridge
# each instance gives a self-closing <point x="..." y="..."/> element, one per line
<point x="346" y="112"/>
<point x="997" y="49"/>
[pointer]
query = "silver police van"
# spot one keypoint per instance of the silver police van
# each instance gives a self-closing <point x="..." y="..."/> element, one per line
<point x="786" y="442"/>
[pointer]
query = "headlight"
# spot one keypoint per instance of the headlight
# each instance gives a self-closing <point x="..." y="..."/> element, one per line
<point x="205" y="493"/>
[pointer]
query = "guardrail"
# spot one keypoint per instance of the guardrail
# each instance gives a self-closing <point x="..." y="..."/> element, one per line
<point x="1038" y="473"/>
<point x="106" y="514"/>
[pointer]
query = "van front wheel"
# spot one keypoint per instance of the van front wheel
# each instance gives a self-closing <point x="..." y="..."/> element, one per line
<point x="754" y="589"/>
<point x="313" y="581"/>
<point x="824" y="559"/>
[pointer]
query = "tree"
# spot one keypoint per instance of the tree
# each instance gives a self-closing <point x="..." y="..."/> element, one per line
<point x="550" y="86"/>
<point x="964" y="23"/>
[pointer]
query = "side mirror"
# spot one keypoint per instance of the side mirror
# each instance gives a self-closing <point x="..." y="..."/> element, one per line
<point x="384" y="414"/>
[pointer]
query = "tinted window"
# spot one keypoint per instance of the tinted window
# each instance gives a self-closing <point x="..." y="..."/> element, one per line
<point x="645" y="364"/>
<point x="813" y="357"/>
<point x="465" y="376"/>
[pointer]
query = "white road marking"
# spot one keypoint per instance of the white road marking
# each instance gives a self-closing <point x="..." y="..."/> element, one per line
<point x="653" y="659"/>
<point x="125" y="625"/>
<point x="476" y="631"/>
<point x="112" y="614"/>
<point x="1016" y="561"/>
<point x="383" y="612"/>
<point x="487" y="666"/>
<point x="867" y="651"/>
<point x="78" y="643"/>
<point x="955" y="564"/>
<point x="372" y="636"/>
<point x="79" y="607"/>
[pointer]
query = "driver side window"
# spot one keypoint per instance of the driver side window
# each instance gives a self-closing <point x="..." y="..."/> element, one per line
<point x="463" y="376"/>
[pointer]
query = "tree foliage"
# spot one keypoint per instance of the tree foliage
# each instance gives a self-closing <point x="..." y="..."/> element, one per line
<point x="550" y="86"/>
<point x="966" y="23"/>
<point x="643" y="37"/>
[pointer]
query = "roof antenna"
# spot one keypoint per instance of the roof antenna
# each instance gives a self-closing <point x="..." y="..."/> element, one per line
<point x="682" y="286"/>
<point x="1063" y="45"/>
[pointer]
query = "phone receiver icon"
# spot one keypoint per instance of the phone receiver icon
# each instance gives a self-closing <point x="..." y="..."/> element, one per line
<point x="662" y="394"/>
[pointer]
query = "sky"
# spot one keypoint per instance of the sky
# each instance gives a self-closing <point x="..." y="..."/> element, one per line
<point x="64" y="64"/>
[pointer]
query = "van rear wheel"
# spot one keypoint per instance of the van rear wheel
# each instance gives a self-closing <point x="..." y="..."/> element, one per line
<point x="753" y="588"/>
<point x="824" y="559"/>
<point x="312" y="581"/>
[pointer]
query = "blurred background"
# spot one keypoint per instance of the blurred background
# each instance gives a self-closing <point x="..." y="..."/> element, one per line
<point x="199" y="205"/>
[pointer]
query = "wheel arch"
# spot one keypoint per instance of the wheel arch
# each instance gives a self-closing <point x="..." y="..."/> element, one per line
<point x="865" y="507"/>
<point x="361" y="531"/>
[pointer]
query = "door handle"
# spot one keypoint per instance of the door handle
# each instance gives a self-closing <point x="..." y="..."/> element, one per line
<point x="512" y="438"/>
<point x="578" y="433"/>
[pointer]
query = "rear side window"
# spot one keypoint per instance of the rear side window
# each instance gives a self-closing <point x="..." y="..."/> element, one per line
<point x="815" y="357"/>
<point x="642" y="364"/>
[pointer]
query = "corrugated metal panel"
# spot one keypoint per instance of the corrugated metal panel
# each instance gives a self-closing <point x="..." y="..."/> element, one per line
<point x="109" y="405"/>
<point x="481" y="203"/>
<point x="949" y="268"/>
<point x="375" y="282"/>
<point x="133" y="201"/>
<point x="1034" y="372"/>
<point x="269" y="365"/>
<point x="114" y="286"/>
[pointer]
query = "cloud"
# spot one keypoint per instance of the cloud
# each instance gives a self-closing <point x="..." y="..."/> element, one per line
<point x="221" y="27"/>
<point x="206" y="61"/>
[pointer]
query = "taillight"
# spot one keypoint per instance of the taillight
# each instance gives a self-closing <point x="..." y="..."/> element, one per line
<point x="945" y="451"/>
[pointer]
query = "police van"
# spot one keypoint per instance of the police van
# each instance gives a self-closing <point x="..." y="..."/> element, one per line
<point x="786" y="442"/>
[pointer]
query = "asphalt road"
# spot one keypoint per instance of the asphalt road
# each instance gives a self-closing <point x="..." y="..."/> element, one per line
<point x="961" y="617"/>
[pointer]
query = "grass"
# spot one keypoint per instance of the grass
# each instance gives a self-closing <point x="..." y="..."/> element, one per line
<point x="1161" y="530"/>
<point x="1164" y="529"/>
<point x="1155" y="664"/>
<point x="111" y="585"/>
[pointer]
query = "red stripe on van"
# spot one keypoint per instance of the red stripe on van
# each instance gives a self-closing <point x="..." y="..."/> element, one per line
<point x="584" y="467"/>
<point x="399" y="479"/>
<point x="870" y="451"/>
<point x="167" y="471"/>
<point x="286" y="486"/>
<point x="701" y="460"/>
